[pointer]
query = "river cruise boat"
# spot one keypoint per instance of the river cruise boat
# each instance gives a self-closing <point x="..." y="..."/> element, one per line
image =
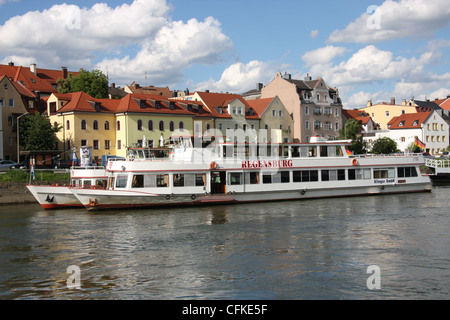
<point x="59" y="196"/>
<point x="227" y="173"/>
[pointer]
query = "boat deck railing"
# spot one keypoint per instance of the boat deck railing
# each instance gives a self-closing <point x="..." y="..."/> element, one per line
<point x="88" y="168"/>
<point x="371" y="155"/>
<point x="439" y="165"/>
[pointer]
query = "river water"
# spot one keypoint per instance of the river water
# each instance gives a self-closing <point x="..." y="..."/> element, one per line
<point x="313" y="249"/>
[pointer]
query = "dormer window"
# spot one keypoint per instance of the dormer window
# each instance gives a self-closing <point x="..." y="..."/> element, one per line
<point x="250" y="112"/>
<point x="220" y="110"/>
<point x="142" y="104"/>
<point x="158" y="104"/>
<point x="172" y="105"/>
<point x="415" y="123"/>
<point x="200" y="109"/>
<point x="401" y="124"/>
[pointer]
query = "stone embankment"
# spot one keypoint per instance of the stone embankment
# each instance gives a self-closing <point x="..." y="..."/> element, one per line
<point x="12" y="193"/>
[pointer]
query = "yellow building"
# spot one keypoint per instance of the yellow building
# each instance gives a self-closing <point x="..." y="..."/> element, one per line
<point x="84" y="121"/>
<point x="382" y="113"/>
<point x="146" y="117"/>
<point x="111" y="126"/>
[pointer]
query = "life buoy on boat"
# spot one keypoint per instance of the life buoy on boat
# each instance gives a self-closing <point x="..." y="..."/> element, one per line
<point x="354" y="162"/>
<point x="193" y="197"/>
<point x="213" y="165"/>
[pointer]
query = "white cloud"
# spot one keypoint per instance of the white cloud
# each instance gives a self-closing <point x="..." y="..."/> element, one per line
<point x="176" y="46"/>
<point x="397" y="19"/>
<point x="137" y="37"/>
<point x="400" y="77"/>
<point x="322" y="55"/>
<point x="240" y="77"/>
<point x="67" y="31"/>
<point x="314" y="33"/>
<point x="371" y="64"/>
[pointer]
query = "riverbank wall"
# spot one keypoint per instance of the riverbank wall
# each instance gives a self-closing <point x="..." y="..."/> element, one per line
<point x="12" y="193"/>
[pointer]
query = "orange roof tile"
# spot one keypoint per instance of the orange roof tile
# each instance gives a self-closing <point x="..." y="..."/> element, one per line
<point x="361" y="116"/>
<point x="146" y="103"/>
<point x="409" y="120"/>
<point x="260" y="105"/>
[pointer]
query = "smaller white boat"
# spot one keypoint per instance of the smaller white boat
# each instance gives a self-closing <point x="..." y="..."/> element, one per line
<point x="59" y="196"/>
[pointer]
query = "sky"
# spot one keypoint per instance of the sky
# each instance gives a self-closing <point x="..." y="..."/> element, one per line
<point x="367" y="49"/>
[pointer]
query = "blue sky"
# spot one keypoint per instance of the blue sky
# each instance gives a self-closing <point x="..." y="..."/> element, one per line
<point x="369" y="50"/>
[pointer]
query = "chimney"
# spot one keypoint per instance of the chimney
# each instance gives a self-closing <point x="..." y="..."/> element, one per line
<point x="287" y="76"/>
<point x="259" y="86"/>
<point x="33" y="68"/>
<point x="64" y="72"/>
<point x="369" y="103"/>
<point x="11" y="64"/>
<point x="392" y="101"/>
<point x="186" y="92"/>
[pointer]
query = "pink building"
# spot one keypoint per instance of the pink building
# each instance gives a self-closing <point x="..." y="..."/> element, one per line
<point x="316" y="108"/>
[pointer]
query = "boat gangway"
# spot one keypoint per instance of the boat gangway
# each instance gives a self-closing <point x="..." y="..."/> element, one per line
<point x="441" y="166"/>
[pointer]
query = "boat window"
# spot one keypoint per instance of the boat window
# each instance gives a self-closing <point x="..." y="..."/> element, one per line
<point x="406" y="172"/>
<point x="267" y="178"/>
<point x="359" y="174"/>
<point x="305" y="176"/>
<point x="235" y="178"/>
<point x="384" y="173"/>
<point x="162" y="180"/>
<point x="200" y="180"/>
<point x="189" y="180"/>
<point x="285" y="176"/>
<point x="100" y="183"/>
<point x="276" y="178"/>
<point x="121" y="181"/>
<point x="87" y="183"/>
<point x="149" y="180"/>
<point x="252" y="178"/>
<point x="323" y="151"/>
<point x="312" y="151"/>
<point x="138" y="181"/>
<point x="333" y="175"/>
<point x="178" y="180"/>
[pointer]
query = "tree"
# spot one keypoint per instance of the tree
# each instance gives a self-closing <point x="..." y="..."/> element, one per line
<point x="352" y="131"/>
<point x="384" y="146"/>
<point x="94" y="83"/>
<point x="37" y="133"/>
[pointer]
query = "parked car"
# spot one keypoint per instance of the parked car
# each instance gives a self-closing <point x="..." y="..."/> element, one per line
<point x="445" y="154"/>
<point x="426" y="155"/>
<point x="63" y="164"/>
<point x="5" y="165"/>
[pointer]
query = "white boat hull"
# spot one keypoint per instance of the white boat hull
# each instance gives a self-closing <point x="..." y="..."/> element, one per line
<point x="115" y="199"/>
<point x="54" y="197"/>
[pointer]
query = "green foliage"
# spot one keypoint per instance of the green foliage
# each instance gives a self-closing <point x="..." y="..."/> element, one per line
<point x="384" y="146"/>
<point x="37" y="133"/>
<point x="47" y="176"/>
<point x="352" y="131"/>
<point x="94" y="83"/>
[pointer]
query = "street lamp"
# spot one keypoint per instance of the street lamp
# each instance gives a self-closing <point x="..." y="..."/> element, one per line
<point x="18" y="148"/>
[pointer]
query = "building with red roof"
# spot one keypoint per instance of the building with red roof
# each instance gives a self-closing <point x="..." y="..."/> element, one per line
<point x="112" y="125"/>
<point x="428" y="126"/>
<point x="275" y="120"/>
